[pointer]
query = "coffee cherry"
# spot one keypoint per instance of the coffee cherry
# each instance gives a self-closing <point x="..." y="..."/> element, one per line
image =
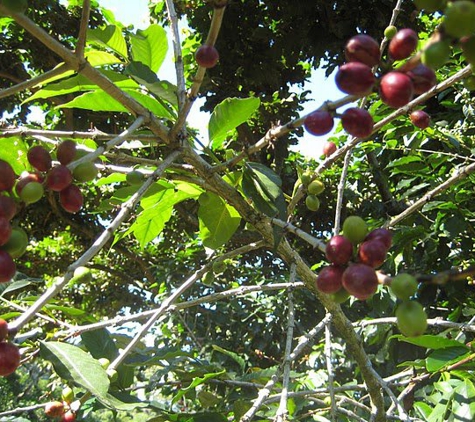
<point x="26" y="178"/>
<point x="355" y="78"/>
<point x="360" y="280"/>
<point x="362" y="48"/>
<point x="329" y="279"/>
<point x="39" y="158"/>
<point x="7" y="176"/>
<point x="357" y="122"/>
<point x="390" y="32"/>
<point x="420" y="119"/>
<point x="316" y="187"/>
<point x="32" y="192"/>
<point x="9" y="358"/>
<point x="339" y="250"/>
<point x="329" y="148"/>
<point x="54" y="409"/>
<point x="69" y="416"/>
<point x="396" y="89"/>
<point x="306" y="178"/>
<point x="436" y="54"/>
<point x="85" y="172"/>
<point x="459" y="18"/>
<point x="319" y="122"/>
<point x="135" y="178"/>
<point x="404" y="286"/>
<point x="372" y="253"/>
<point x="468" y="48"/>
<point x="3" y="330"/>
<point x="403" y="44"/>
<point x="469" y="83"/>
<point x="71" y="199"/>
<point x="7" y="267"/>
<point x="66" y="152"/>
<point x="67" y="395"/>
<point x="59" y="178"/>
<point x="383" y="235"/>
<point x="430" y="5"/>
<point x="340" y="296"/>
<point x="8" y="207"/>
<point x="5" y="230"/>
<point x="411" y="318"/>
<point x="207" y="56"/>
<point x="355" y="229"/>
<point x="17" y="243"/>
<point x="312" y="202"/>
<point x="423" y="78"/>
<point x="104" y="362"/>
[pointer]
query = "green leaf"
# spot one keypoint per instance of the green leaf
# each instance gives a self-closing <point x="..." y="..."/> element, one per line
<point x="73" y="364"/>
<point x="443" y="357"/>
<point x="121" y="401"/>
<point x="229" y="114"/>
<point x="218" y="221"/>
<point x="111" y="37"/>
<point x="431" y="342"/>
<point x="100" y="344"/>
<point x="150" y="46"/>
<point x="144" y="76"/>
<point x="101" y="101"/>
<point x="80" y="83"/>
<point x="241" y="362"/>
<point x="14" y="150"/>
<point x="463" y="404"/>
<point x="197" y="381"/>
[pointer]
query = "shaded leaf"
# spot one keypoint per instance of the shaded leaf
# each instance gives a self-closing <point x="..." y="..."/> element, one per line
<point x="431" y="342"/>
<point x="443" y="357"/>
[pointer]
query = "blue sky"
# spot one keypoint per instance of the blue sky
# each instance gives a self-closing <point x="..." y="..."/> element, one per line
<point x="322" y="89"/>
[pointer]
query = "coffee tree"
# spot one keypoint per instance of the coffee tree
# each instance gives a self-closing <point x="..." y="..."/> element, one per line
<point x="147" y="276"/>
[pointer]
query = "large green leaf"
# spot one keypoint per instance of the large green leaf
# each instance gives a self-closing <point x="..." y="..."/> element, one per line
<point x="80" y="83"/>
<point x="218" y="220"/>
<point x="431" y="342"/>
<point x="443" y="357"/>
<point x="228" y="115"/>
<point x="121" y="401"/>
<point x="14" y="150"/>
<point x="150" y="46"/>
<point x="101" y="101"/>
<point x="463" y="404"/>
<point x="73" y="364"/>
<point x="111" y="37"/>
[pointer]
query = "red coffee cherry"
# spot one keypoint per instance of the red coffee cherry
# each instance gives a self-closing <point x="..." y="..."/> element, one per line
<point x="355" y="78"/>
<point x="339" y="250"/>
<point x="360" y="280"/>
<point x="403" y="44"/>
<point x="396" y="89"/>
<point x="9" y="358"/>
<point x="329" y="279"/>
<point x="318" y="122"/>
<point x="357" y="122"/>
<point x="362" y="48"/>
<point x="207" y="56"/>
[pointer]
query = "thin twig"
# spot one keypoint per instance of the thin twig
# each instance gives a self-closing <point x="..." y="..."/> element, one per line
<point x="316" y="243"/>
<point x="341" y="192"/>
<point x="328" y="360"/>
<point x="81" y="44"/>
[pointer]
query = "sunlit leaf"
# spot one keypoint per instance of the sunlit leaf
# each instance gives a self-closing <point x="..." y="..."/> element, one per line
<point x="150" y="46"/>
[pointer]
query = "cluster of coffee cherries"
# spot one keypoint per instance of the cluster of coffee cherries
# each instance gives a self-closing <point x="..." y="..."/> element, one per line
<point x="29" y="188"/>
<point x="353" y="256"/>
<point x="314" y="188"/>
<point x="62" y="409"/>
<point x="9" y="352"/>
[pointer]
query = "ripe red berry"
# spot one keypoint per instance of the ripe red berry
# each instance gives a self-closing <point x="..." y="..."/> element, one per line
<point x="355" y="78"/>
<point x="5" y="230"/>
<point x="396" y="89"/>
<point x="372" y="253"/>
<point x="7" y="176"/>
<point x="39" y="158"/>
<point x="318" y="122"/>
<point x="339" y="250"/>
<point x="8" y="207"/>
<point x="59" y="178"/>
<point x="403" y="44"/>
<point x="382" y="234"/>
<point x="329" y="279"/>
<point x="3" y="329"/>
<point x="66" y="152"/>
<point x="420" y="119"/>
<point x="54" y="409"/>
<point x="7" y="267"/>
<point x="329" y="148"/>
<point x="362" y="48"/>
<point x="68" y="417"/>
<point x="360" y="280"/>
<point x="207" y="56"/>
<point x="357" y="122"/>
<point x="9" y="358"/>
<point x="423" y="78"/>
<point x="71" y="199"/>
